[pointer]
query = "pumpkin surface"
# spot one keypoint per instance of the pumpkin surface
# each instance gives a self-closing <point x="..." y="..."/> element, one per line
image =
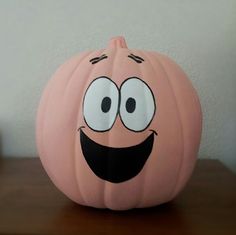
<point x="119" y="128"/>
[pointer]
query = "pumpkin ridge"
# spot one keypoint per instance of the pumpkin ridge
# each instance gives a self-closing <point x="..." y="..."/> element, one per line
<point x="74" y="71"/>
<point x="198" y="112"/>
<point x="105" y="182"/>
<point x="154" y="70"/>
<point x="180" y="120"/>
<point x="50" y="93"/>
<point x="143" y="179"/>
<point x="71" y="78"/>
<point x="76" y="134"/>
<point x="47" y="101"/>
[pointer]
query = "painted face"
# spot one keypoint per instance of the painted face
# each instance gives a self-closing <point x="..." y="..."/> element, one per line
<point x="133" y="103"/>
<point x="97" y="126"/>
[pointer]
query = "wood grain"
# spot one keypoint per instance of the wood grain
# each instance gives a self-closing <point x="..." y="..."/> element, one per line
<point x="30" y="204"/>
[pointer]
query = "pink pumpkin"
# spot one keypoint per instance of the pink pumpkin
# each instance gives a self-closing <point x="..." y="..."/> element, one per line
<point x="119" y="128"/>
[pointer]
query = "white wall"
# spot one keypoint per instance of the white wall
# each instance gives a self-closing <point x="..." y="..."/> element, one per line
<point x="37" y="36"/>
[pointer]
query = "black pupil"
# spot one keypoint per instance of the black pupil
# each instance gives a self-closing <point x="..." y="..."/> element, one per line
<point x="130" y="105"/>
<point x="106" y="104"/>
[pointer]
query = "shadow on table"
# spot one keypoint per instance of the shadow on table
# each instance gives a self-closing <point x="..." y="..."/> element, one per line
<point x="165" y="219"/>
<point x="0" y="145"/>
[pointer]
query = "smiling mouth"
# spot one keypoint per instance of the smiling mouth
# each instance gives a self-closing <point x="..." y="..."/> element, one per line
<point x="116" y="165"/>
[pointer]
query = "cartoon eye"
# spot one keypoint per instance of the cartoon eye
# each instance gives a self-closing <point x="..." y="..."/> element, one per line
<point x="100" y="106"/>
<point x="137" y="106"/>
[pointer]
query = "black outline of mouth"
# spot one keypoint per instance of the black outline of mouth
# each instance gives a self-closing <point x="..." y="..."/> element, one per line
<point x="116" y="165"/>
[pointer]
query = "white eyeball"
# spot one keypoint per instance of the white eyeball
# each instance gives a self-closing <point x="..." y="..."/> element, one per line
<point x="100" y="106"/>
<point x="137" y="106"/>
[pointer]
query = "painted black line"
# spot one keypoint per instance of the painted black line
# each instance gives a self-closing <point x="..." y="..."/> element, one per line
<point x="97" y="58"/>
<point x="135" y="59"/>
<point x="138" y="57"/>
<point x="96" y="61"/>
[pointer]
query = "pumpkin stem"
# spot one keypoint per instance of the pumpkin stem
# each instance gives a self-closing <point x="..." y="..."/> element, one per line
<point x="117" y="42"/>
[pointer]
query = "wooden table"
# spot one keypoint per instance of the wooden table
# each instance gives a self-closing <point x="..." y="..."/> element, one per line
<point x="30" y="204"/>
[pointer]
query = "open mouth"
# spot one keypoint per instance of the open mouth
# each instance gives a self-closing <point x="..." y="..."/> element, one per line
<point x="116" y="165"/>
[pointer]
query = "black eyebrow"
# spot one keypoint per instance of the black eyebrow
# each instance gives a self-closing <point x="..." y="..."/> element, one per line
<point x="97" y="59"/>
<point x="136" y="58"/>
